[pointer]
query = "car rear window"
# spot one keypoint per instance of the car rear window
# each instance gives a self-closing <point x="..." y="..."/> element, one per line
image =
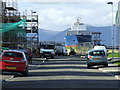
<point x="13" y="54"/>
<point x="97" y="53"/>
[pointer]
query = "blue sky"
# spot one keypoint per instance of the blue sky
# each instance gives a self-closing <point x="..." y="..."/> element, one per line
<point x="58" y="15"/>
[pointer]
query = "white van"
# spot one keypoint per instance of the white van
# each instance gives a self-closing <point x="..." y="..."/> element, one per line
<point x="101" y="47"/>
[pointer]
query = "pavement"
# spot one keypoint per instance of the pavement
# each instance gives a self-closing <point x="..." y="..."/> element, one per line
<point x="112" y="69"/>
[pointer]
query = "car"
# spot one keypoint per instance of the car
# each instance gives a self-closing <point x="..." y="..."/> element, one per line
<point x="97" y="57"/>
<point x="101" y="47"/>
<point x="19" y="49"/>
<point x="14" y="61"/>
<point x="46" y="50"/>
<point x="64" y="51"/>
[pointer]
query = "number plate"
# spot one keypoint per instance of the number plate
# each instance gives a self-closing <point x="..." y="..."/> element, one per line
<point x="97" y="58"/>
<point x="10" y="67"/>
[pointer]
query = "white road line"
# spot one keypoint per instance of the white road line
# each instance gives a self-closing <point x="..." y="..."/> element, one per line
<point x="10" y="78"/>
<point x="40" y="63"/>
<point x="14" y="76"/>
<point x="116" y="76"/>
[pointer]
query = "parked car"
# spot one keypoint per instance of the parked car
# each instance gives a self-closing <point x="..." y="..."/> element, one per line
<point x="64" y="51"/>
<point x="19" y="49"/>
<point x="14" y="61"/>
<point x="97" y="57"/>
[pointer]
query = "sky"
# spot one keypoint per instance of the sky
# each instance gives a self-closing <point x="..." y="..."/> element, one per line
<point x="58" y="15"/>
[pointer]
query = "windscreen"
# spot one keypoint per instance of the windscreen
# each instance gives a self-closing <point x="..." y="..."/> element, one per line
<point x="13" y="54"/>
<point x="97" y="53"/>
<point x="47" y="46"/>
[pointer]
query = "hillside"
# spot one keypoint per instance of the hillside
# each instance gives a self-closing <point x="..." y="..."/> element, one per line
<point x="58" y="36"/>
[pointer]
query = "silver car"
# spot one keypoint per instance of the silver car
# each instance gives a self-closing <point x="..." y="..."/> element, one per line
<point x="97" y="57"/>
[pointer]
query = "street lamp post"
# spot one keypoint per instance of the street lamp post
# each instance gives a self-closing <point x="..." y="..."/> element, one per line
<point x="115" y="36"/>
<point x="112" y="28"/>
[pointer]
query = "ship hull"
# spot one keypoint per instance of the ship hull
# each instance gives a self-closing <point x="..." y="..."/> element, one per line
<point x="74" y="40"/>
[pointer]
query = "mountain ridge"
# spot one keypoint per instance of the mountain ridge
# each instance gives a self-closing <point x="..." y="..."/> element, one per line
<point x="58" y="36"/>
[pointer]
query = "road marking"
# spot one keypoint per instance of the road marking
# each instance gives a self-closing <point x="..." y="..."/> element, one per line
<point x="116" y="76"/>
<point x="41" y="63"/>
<point x="13" y="76"/>
<point x="9" y="78"/>
<point x="111" y="70"/>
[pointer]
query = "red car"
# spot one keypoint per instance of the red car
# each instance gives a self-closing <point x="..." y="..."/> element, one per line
<point x="14" y="61"/>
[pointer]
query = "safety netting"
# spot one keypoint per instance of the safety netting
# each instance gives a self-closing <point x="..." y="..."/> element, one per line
<point x="13" y="30"/>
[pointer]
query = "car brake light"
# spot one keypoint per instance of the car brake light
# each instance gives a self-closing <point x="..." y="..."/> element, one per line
<point x="104" y="56"/>
<point x="90" y="57"/>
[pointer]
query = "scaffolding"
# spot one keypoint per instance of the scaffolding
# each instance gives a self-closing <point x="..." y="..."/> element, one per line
<point x="13" y="24"/>
<point x="16" y="26"/>
<point x="32" y="29"/>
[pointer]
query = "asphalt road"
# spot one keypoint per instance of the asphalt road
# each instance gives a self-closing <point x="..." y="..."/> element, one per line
<point x="61" y="72"/>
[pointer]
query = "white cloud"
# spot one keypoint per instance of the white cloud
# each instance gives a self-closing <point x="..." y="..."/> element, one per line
<point x="108" y="18"/>
<point x="59" y="16"/>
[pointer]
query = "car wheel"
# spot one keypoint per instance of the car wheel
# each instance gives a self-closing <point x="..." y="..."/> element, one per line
<point x="88" y="66"/>
<point x="1" y="72"/>
<point x="106" y="65"/>
<point x="25" y="73"/>
<point x="52" y="57"/>
<point x="40" y="56"/>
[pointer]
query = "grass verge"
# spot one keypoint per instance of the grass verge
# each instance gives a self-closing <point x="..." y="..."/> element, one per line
<point x="115" y="55"/>
<point x="118" y="63"/>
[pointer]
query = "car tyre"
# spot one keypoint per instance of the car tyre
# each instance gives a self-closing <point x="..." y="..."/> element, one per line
<point x="25" y="73"/>
<point x="88" y="66"/>
<point x="40" y="56"/>
<point x="2" y="72"/>
<point x="106" y="65"/>
<point x="52" y="57"/>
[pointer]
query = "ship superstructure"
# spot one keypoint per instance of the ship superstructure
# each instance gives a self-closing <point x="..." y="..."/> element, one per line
<point x="77" y="34"/>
